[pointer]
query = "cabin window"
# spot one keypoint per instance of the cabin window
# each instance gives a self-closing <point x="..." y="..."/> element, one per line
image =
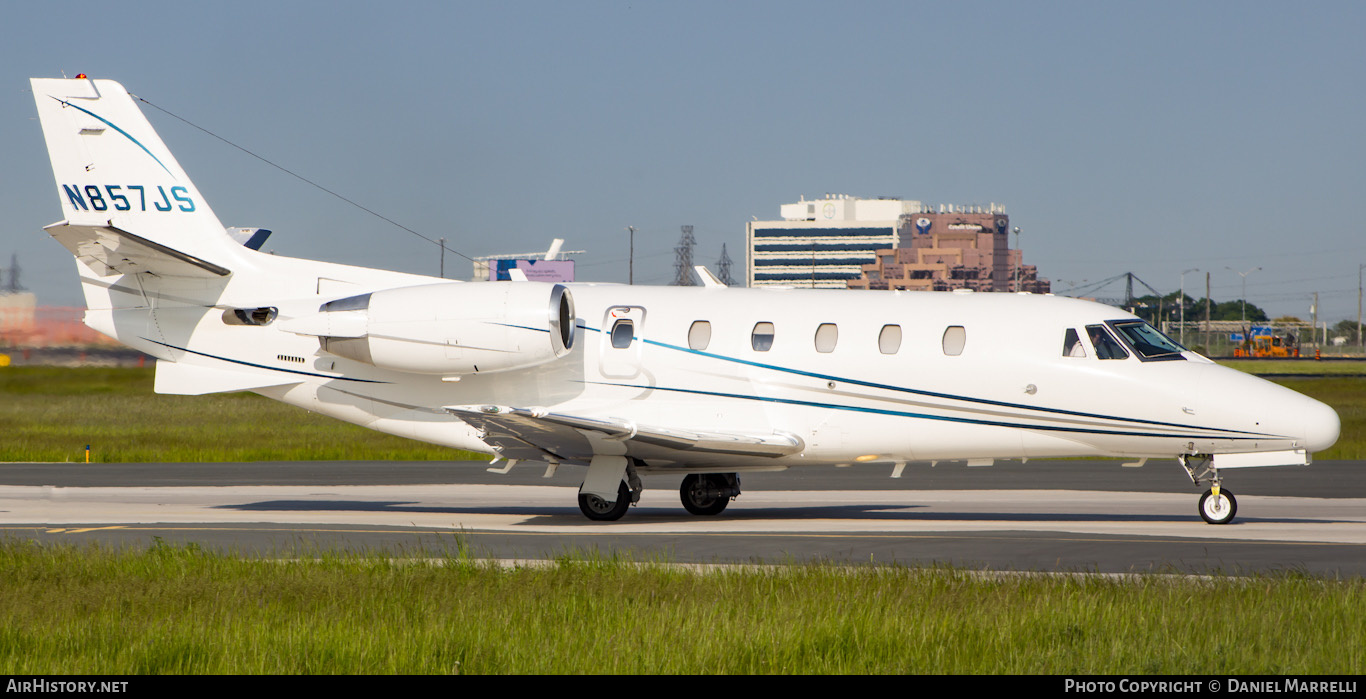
<point x="1148" y="342"/>
<point x="623" y="332"/>
<point x="826" y="337"/>
<point x="1071" y="344"/>
<point x="954" y="339"/>
<point x="889" y="340"/>
<point x="762" y="338"/>
<point x="699" y="335"/>
<point x="1106" y="345"/>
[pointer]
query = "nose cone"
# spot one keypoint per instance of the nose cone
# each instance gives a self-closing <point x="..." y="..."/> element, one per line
<point x="1243" y="402"/>
<point x="1321" y="425"/>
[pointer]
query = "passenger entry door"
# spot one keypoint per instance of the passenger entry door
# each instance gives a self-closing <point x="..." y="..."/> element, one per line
<point x="619" y="356"/>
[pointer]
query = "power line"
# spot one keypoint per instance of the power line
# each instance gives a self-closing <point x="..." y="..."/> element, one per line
<point x="297" y="176"/>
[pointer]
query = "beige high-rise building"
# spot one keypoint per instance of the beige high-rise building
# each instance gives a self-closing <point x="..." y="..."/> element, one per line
<point x="957" y="248"/>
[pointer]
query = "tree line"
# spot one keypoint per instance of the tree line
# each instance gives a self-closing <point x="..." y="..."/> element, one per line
<point x="1148" y="307"/>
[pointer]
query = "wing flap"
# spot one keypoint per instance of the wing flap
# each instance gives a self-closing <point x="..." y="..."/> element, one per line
<point x="533" y="433"/>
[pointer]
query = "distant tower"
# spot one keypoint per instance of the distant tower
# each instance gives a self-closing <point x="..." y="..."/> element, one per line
<point x="683" y="259"/>
<point x="13" y="285"/>
<point x="723" y="268"/>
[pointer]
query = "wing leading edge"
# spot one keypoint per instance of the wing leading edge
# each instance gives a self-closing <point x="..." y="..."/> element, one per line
<point x="536" y="434"/>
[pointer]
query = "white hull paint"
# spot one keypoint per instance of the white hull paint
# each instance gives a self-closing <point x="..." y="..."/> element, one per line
<point x="532" y="372"/>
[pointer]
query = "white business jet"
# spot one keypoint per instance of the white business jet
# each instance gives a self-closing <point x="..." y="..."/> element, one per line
<point x="705" y="382"/>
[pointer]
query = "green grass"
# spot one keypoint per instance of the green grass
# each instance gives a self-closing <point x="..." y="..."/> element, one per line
<point x="88" y="610"/>
<point x="51" y="413"/>
<point x="1297" y="366"/>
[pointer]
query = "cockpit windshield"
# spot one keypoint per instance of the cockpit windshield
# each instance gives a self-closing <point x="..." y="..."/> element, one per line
<point x="1147" y="342"/>
<point x="1106" y="346"/>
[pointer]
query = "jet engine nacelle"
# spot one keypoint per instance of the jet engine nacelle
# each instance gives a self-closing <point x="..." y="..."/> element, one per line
<point x="448" y="329"/>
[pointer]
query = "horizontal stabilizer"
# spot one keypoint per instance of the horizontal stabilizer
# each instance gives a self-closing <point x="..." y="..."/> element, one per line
<point x="109" y="251"/>
<point x="523" y="433"/>
<point x="179" y="378"/>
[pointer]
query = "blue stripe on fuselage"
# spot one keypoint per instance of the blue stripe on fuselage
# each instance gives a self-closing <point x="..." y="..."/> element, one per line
<point x="945" y="396"/>
<point x="926" y="416"/>
<point x="262" y="366"/>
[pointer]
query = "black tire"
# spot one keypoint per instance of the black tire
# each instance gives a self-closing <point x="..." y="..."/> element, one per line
<point x="599" y="510"/>
<point x="695" y="497"/>
<point x="1219" y="511"/>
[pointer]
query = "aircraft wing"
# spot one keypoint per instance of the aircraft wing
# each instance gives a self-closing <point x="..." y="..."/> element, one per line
<point x="537" y="434"/>
<point x="108" y="250"/>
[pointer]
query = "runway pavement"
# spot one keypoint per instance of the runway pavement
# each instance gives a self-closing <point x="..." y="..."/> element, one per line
<point x="1040" y="516"/>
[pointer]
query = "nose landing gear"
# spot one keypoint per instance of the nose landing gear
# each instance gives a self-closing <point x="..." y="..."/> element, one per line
<point x="1217" y="506"/>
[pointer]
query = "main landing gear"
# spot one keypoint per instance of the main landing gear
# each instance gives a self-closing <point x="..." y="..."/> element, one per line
<point x="599" y="510"/>
<point x="701" y="493"/>
<point x="708" y="493"/>
<point x="1217" y="506"/>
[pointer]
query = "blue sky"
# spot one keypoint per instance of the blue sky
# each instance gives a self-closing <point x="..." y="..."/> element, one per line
<point x="1149" y="137"/>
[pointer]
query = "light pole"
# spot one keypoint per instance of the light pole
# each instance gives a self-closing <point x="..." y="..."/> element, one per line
<point x="1244" y="276"/>
<point x="1359" y="268"/>
<point x="1018" y="255"/>
<point x="1315" y="310"/>
<point x="1182" y="301"/>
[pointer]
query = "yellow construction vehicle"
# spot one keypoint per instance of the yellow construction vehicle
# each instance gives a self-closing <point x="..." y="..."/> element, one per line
<point x="1268" y="346"/>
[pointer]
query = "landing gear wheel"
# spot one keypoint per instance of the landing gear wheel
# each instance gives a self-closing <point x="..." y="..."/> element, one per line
<point x="1218" y="510"/>
<point x="700" y="497"/>
<point x="599" y="510"/>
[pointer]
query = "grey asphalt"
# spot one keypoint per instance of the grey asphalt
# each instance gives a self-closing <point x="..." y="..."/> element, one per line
<point x="1322" y="479"/>
<point x="1000" y="535"/>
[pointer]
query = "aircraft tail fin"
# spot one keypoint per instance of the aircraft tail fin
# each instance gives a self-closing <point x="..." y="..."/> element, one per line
<point x="117" y="181"/>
